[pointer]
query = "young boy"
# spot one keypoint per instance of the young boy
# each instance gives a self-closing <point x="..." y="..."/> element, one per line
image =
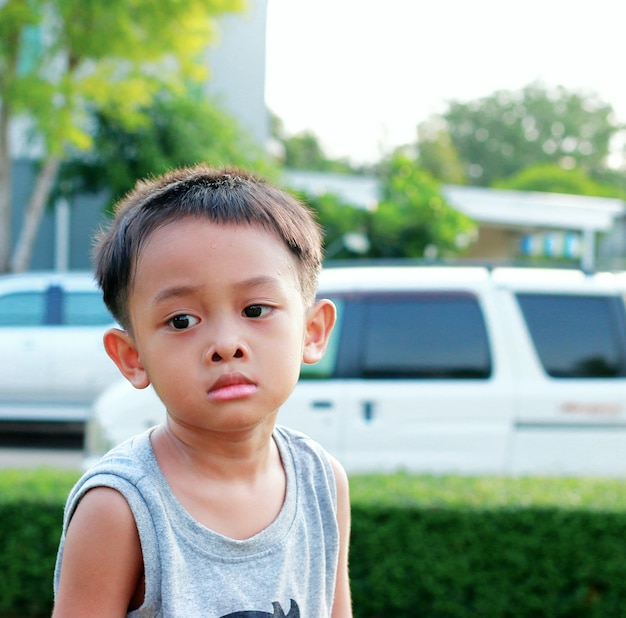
<point x="218" y="512"/>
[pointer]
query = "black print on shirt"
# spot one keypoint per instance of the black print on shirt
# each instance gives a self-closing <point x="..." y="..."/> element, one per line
<point x="294" y="612"/>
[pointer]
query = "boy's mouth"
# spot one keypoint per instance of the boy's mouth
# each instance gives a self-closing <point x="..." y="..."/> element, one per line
<point x="232" y="386"/>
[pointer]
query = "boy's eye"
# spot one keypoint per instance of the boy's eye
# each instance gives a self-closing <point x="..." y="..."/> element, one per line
<point x="256" y="311"/>
<point x="183" y="321"/>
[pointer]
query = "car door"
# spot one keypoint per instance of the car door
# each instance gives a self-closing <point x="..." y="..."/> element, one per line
<point x="82" y="369"/>
<point x="573" y="418"/>
<point x="430" y="394"/>
<point x="25" y="358"/>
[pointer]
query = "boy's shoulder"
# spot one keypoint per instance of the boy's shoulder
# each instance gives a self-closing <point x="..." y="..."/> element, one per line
<point x="298" y="441"/>
<point x="124" y="466"/>
<point x="131" y="457"/>
<point x="309" y="457"/>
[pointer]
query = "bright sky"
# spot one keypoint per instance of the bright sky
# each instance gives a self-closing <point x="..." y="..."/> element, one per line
<point x="361" y="74"/>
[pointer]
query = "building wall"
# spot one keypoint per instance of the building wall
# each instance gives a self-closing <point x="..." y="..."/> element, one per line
<point x="86" y="216"/>
<point x="493" y="243"/>
<point x="237" y="65"/>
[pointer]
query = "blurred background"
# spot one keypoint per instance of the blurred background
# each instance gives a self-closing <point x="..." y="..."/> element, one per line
<point x="505" y="127"/>
<point x="430" y="132"/>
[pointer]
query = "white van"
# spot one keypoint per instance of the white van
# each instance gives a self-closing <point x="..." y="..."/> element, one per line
<point x="52" y="361"/>
<point x="452" y="370"/>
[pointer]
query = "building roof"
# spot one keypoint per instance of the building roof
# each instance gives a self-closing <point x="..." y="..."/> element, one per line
<point x="526" y="209"/>
<point x="535" y="209"/>
<point x="357" y="190"/>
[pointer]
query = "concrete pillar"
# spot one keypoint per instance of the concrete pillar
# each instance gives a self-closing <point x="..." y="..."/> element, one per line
<point x="61" y="235"/>
<point x="588" y="253"/>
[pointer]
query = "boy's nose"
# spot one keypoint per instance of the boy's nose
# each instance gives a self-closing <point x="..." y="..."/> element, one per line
<point x="224" y="347"/>
<point x="217" y="356"/>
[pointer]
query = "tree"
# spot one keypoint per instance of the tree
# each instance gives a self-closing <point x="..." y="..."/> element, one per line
<point x="304" y="152"/>
<point x="437" y="154"/>
<point x="552" y="178"/>
<point x="614" y="178"/>
<point x="340" y="222"/>
<point x="413" y="219"/>
<point x="179" y="130"/>
<point x="59" y="57"/>
<point x="503" y="133"/>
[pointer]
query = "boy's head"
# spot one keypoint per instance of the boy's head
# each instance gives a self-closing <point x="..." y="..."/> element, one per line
<point x="223" y="196"/>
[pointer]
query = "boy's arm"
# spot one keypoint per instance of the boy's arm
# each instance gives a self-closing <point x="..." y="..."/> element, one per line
<point x="342" y="605"/>
<point x="102" y="562"/>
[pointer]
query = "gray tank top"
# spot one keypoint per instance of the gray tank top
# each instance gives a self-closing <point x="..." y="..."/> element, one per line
<point x="287" y="570"/>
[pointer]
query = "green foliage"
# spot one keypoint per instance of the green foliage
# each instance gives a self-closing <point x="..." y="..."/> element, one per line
<point x="501" y="134"/>
<point x="44" y="484"/>
<point x="412" y="220"/>
<point x="60" y="59"/>
<point x="111" y="54"/>
<point x="337" y="220"/>
<point x="503" y="563"/>
<point x="31" y="511"/>
<point x="178" y="130"/>
<point x="304" y="152"/>
<point x="614" y="178"/>
<point x="552" y="178"/>
<point x="488" y="492"/>
<point x="30" y="539"/>
<point x="413" y="215"/>
<point x="448" y="547"/>
<point x="437" y="155"/>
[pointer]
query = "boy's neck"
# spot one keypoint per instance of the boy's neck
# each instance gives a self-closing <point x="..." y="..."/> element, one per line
<point x="236" y="456"/>
<point x="235" y="487"/>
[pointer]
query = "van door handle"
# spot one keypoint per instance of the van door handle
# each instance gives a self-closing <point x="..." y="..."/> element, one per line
<point x="368" y="411"/>
<point x="322" y="405"/>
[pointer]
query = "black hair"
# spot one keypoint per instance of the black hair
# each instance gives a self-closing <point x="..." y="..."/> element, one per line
<point x="226" y="195"/>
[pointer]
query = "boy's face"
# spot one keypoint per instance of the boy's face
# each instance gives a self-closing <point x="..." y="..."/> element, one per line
<point x="219" y="324"/>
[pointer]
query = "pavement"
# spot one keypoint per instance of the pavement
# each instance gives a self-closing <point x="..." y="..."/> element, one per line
<point x="30" y="458"/>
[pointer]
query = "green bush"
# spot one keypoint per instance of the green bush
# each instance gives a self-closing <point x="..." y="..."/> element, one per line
<point x="31" y="512"/>
<point x="438" y="547"/>
<point x="487" y="548"/>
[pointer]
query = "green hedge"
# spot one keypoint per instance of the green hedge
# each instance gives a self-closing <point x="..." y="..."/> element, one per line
<point x="31" y="512"/>
<point x="488" y="548"/>
<point x="437" y="547"/>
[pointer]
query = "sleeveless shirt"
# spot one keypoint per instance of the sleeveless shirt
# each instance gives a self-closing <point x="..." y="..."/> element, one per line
<point x="287" y="570"/>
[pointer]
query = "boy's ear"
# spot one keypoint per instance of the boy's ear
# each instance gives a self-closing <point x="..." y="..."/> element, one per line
<point x="319" y="324"/>
<point x="120" y="346"/>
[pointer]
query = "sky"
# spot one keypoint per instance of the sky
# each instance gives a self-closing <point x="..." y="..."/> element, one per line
<point x="361" y="74"/>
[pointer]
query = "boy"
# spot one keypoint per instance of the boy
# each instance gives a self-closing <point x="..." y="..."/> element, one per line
<point x="216" y="513"/>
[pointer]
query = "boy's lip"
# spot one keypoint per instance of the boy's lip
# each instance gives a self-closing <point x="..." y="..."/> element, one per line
<point x="232" y="386"/>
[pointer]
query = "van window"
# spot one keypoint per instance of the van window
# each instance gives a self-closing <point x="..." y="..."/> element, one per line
<point x="577" y="336"/>
<point x="427" y="335"/>
<point x="326" y="367"/>
<point x="22" y="309"/>
<point x="85" y="309"/>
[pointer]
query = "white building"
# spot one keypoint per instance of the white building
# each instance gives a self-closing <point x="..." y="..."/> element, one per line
<point x="237" y="65"/>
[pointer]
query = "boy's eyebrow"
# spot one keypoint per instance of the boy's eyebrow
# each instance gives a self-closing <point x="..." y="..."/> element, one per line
<point x="174" y="292"/>
<point x="258" y="281"/>
<point x="185" y="290"/>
